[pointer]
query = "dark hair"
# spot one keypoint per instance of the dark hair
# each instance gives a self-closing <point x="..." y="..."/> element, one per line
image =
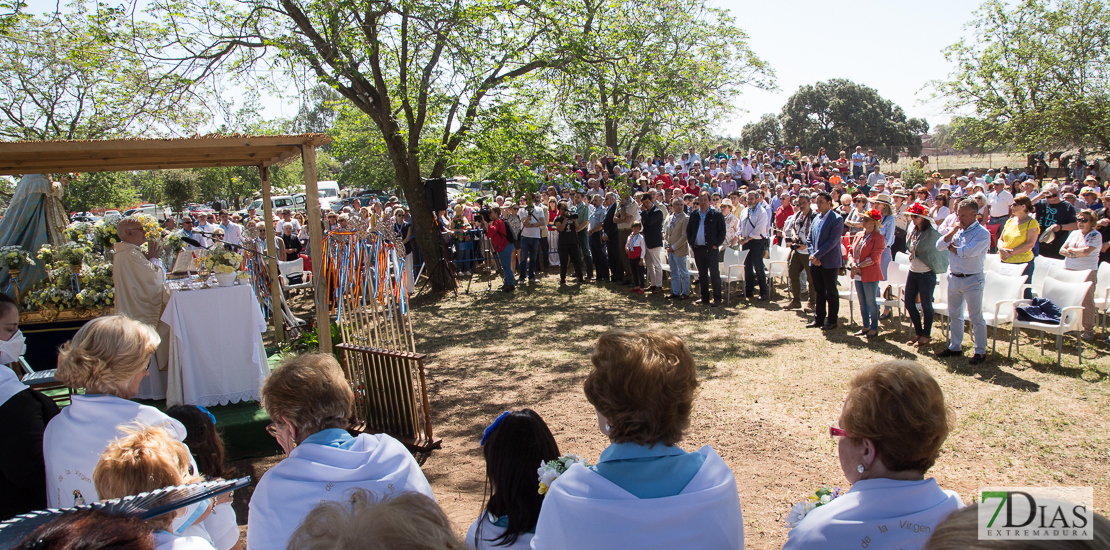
<point x="7" y="301"/>
<point x="91" y="530"/>
<point x="513" y="452"/>
<point x="203" y="440"/>
<point x="826" y="194"/>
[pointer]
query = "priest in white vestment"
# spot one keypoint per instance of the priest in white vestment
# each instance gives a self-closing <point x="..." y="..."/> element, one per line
<point x="108" y="357"/>
<point x="891" y="504"/>
<point x="645" y="492"/>
<point x="139" y="279"/>
<point x="309" y="401"/>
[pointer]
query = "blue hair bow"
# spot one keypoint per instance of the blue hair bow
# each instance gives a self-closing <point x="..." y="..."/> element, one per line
<point x="210" y="415"/>
<point x="489" y="429"/>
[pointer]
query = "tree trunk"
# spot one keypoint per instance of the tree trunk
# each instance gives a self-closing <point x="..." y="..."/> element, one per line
<point x="425" y="227"/>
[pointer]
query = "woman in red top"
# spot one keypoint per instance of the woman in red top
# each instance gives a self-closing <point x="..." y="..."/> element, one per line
<point x="867" y="251"/>
<point x="502" y="246"/>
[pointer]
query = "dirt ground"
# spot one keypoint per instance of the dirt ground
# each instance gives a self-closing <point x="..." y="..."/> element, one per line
<point x="768" y="390"/>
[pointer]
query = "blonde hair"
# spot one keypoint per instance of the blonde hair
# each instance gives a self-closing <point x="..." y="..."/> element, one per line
<point x="106" y="354"/>
<point x="145" y="459"/>
<point x="363" y="521"/>
<point x="309" y="391"/>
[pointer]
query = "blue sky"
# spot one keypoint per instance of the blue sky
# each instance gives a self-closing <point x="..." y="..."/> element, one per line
<point x="892" y="46"/>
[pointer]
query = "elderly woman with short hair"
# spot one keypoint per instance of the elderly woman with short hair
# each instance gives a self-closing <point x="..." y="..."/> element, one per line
<point x="645" y="492"/>
<point x="891" y="428"/>
<point x="310" y="402"/>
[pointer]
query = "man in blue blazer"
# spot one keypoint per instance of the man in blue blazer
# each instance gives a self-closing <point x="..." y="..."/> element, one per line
<point x="825" y="260"/>
<point x="705" y="232"/>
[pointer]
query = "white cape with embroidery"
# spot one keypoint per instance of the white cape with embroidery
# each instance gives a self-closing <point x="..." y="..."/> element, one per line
<point x="583" y="510"/>
<point x="315" y="473"/>
<point x="881" y="513"/>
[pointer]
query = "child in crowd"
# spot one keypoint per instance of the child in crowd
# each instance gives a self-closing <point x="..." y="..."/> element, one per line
<point x="635" y="248"/>
<point x="145" y="459"/>
<point x="514" y="446"/>
<point x="203" y="440"/>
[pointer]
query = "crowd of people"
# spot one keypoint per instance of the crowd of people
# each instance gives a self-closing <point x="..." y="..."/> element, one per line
<point x="336" y="489"/>
<point x="621" y="220"/>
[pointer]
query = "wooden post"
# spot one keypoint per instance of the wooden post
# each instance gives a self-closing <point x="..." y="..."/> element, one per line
<point x="316" y="235"/>
<point x="271" y="263"/>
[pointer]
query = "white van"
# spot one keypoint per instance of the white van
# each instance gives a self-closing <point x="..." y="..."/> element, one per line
<point x="280" y="202"/>
<point x="329" y="193"/>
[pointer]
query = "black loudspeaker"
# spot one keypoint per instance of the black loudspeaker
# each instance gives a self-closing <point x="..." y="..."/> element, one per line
<point x="436" y="193"/>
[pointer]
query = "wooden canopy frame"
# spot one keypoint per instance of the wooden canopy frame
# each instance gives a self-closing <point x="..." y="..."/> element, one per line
<point x="118" y="155"/>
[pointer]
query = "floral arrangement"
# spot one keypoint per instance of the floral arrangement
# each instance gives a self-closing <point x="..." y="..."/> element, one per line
<point x="818" y="499"/>
<point x="173" y="243"/>
<point x="80" y="232"/>
<point x="106" y="233"/>
<point x="15" y="257"/>
<point x="73" y="253"/>
<point x="222" y="260"/>
<point x="150" y="227"/>
<point x="95" y="288"/>
<point x="550" y="470"/>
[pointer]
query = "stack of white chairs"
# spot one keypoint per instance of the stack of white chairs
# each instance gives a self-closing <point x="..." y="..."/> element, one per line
<point x="1102" y="291"/>
<point x="999" y="294"/>
<point x="846" y="289"/>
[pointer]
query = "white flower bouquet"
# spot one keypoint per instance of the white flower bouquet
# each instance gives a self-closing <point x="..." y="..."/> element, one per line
<point x="15" y="257"/>
<point x="222" y="260"/>
<point x="79" y="232"/>
<point x="550" y="470"/>
<point x="818" y="499"/>
<point x="106" y="233"/>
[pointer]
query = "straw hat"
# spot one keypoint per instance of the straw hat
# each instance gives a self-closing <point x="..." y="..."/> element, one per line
<point x="883" y="198"/>
<point x="726" y="202"/>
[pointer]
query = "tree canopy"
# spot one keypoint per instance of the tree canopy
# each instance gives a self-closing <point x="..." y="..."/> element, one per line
<point x="840" y="115"/>
<point x="762" y="134"/>
<point x="1033" y="74"/>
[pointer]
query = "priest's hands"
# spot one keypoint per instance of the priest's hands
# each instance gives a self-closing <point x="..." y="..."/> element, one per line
<point x="153" y="250"/>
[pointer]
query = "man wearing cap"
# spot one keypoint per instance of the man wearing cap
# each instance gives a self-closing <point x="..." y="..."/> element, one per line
<point x="651" y="218"/>
<point x="1054" y="216"/>
<point x="796" y="231"/>
<point x="967" y="245"/>
<point x="825" y="259"/>
<point x="705" y="231"/>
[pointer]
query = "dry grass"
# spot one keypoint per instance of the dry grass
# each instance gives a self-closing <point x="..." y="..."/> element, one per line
<point x="769" y="389"/>
<point x="976" y="162"/>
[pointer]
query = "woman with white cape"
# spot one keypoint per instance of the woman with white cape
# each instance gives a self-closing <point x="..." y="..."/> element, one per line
<point x="645" y="492"/>
<point x="309" y="402"/>
<point x="109" y="357"/>
<point x="891" y="428"/>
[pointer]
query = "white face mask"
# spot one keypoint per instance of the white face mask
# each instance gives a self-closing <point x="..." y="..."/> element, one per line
<point x="13" y="348"/>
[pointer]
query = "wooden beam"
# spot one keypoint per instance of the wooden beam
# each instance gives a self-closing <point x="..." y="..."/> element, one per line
<point x="271" y="262"/>
<point x="316" y="235"/>
<point x="121" y="167"/>
<point x="184" y="153"/>
<point x="164" y="144"/>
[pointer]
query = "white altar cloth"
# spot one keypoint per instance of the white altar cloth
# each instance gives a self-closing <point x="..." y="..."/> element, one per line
<point x="216" y="351"/>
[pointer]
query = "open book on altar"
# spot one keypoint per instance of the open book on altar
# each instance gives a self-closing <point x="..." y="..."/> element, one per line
<point x="185" y="261"/>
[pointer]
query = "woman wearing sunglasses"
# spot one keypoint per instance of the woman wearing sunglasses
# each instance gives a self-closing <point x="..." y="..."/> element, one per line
<point x="1080" y="253"/>
<point x="890" y="431"/>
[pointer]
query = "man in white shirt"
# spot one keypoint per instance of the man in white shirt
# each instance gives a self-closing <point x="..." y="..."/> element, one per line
<point x="233" y="232"/>
<point x="1000" y="200"/>
<point x="534" y="218"/>
<point x="755" y="222"/>
<point x="695" y="158"/>
<point x="287" y="216"/>
<point x="188" y="230"/>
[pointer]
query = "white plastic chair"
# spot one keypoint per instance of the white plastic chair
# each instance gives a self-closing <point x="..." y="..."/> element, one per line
<point x="999" y="294"/>
<point x="294" y="267"/>
<point x="732" y="270"/>
<point x="1069" y="298"/>
<point x="902" y="258"/>
<point x="896" y="276"/>
<point x="777" y="264"/>
<point x="846" y="290"/>
<point x="1041" y="265"/>
<point x="940" y="299"/>
<point x="992" y="262"/>
<point x="1062" y="274"/>
<point x="1102" y="291"/>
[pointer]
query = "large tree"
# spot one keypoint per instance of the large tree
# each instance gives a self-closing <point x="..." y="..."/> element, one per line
<point x="70" y="76"/>
<point x="840" y="114"/>
<point x="762" y="134"/>
<point x="650" y="74"/>
<point x="417" y="69"/>
<point x="1034" y="74"/>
